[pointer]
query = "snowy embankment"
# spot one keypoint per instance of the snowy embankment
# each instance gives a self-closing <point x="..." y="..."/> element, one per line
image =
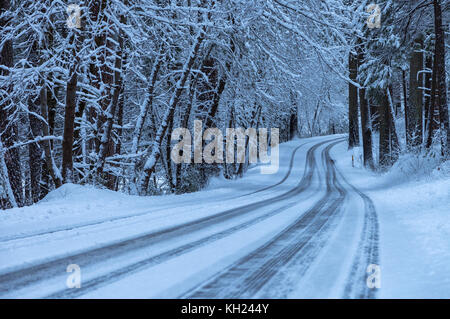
<point x="413" y="207"/>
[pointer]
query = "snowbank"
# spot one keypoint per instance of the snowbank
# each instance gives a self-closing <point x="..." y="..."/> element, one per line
<point x="413" y="206"/>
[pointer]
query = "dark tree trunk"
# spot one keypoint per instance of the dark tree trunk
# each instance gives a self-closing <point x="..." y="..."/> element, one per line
<point x="148" y="107"/>
<point x="106" y="144"/>
<point x="71" y="104"/>
<point x="427" y="106"/>
<point x="184" y="122"/>
<point x="45" y="181"/>
<point x="353" y="126"/>
<point x="394" y="146"/>
<point x="69" y="118"/>
<point x="7" y="128"/>
<point x="35" y="129"/>
<point x="384" y="115"/>
<point x="441" y="79"/>
<point x="293" y="126"/>
<point x="366" y="127"/>
<point x="46" y="145"/>
<point x="415" y="105"/>
<point x="208" y="98"/>
<point x="229" y="166"/>
<point x="405" y="104"/>
<point x="155" y="153"/>
<point x="34" y="151"/>
<point x="48" y="102"/>
<point x="78" y="146"/>
<point x="118" y="149"/>
<point x="168" y="163"/>
<point x="220" y="89"/>
<point x="51" y="109"/>
<point x="433" y="109"/>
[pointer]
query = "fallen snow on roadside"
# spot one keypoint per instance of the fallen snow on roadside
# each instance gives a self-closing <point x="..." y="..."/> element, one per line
<point x="414" y="217"/>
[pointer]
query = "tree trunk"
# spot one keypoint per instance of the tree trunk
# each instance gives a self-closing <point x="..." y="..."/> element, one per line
<point x="366" y="127"/>
<point x="293" y="126"/>
<point x="353" y="126"/>
<point x="394" y="146"/>
<point x="415" y="105"/>
<point x="8" y="128"/>
<point x="405" y="104"/>
<point x="441" y="79"/>
<point x="427" y="106"/>
<point x="384" y="156"/>
<point x="220" y="88"/>
<point x="227" y="166"/>
<point x="35" y="130"/>
<point x="155" y="154"/>
<point x="433" y="109"/>
<point x="69" y="116"/>
<point x="7" y="184"/>
<point x="46" y="145"/>
<point x="147" y="106"/>
<point x="34" y="150"/>
<point x="118" y="150"/>
<point x="106" y="140"/>
<point x="168" y="158"/>
<point x="184" y="122"/>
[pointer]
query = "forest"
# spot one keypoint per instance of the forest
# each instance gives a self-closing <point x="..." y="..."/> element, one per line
<point x="91" y="90"/>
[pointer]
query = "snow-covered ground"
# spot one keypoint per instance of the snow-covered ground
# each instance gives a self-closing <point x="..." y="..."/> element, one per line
<point x="413" y="215"/>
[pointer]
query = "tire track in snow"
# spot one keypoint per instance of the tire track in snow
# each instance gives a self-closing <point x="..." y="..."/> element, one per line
<point x="367" y="253"/>
<point x="118" y="274"/>
<point x="29" y="275"/>
<point x="282" y="284"/>
<point x="300" y="242"/>
<point x="291" y="164"/>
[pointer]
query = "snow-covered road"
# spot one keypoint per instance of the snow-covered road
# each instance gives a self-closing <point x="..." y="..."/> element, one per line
<point x="305" y="232"/>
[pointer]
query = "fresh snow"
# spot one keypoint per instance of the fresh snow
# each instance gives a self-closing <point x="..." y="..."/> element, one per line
<point x="413" y="216"/>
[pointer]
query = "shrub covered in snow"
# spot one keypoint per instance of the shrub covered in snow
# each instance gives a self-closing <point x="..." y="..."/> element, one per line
<point x="414" y="166"/>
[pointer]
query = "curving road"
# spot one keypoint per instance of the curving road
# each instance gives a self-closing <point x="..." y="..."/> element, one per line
<point x="311" y="211"/>
<point x="295" y="248"/>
